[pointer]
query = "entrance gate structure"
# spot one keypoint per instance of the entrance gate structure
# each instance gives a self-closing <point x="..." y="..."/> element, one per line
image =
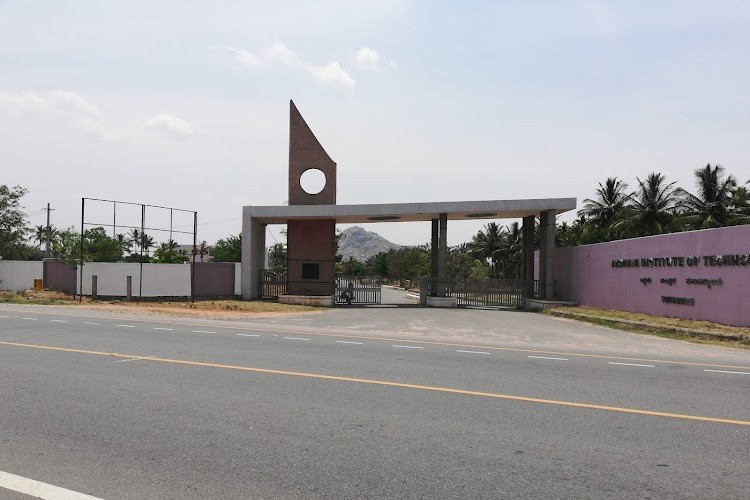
<point x="311" y="219"/>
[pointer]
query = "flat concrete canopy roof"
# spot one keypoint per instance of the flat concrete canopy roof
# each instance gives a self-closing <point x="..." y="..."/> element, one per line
<point x="410" y="212"/>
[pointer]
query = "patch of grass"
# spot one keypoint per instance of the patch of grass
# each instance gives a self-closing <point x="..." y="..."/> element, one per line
<point x="29" y="297"/>
<point x="700" y="332"/>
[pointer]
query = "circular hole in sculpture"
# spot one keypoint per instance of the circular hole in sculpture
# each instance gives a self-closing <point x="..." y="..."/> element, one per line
<point x="312" y="181"/>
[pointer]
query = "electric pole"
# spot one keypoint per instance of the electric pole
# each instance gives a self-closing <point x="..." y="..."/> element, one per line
<point x="48" y="231"/>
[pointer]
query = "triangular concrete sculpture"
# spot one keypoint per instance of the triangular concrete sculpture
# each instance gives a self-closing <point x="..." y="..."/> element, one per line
<point x="305" y="153"/>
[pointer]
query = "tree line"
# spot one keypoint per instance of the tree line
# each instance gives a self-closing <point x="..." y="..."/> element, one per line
<point x="656" y="206"/>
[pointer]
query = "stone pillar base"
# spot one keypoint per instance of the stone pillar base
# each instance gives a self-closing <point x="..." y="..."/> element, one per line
<point x="308" y="300"/>
<point x="442" y="301"/>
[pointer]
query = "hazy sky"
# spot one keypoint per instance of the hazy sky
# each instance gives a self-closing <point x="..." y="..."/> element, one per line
<point x="185" y="103"/>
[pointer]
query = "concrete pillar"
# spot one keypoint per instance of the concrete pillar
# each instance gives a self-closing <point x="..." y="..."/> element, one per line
<point x="434" y="244"/>
<point x="129" y="287"/>
<point x="443" y="256"/>
<point x="94" y="288"/>
<point x="253" y="254"/>
<point x="527" y="254"/>
<point x="547" y="255"/>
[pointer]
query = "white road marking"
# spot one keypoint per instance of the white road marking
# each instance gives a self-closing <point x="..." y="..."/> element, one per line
<point x="407" y="346"/>
<point x="473" y="352"/>
<point x="247" y="335"/>
<point x="161" y="328"/>
<point x="126" y="326"/>
<point x="38" y="489"/>
<point x="57" y="321"/>
<point x="347" y="342"/>
<point x="630" y="364"/>
<point x="31" y="319"/>
<point x="90" y="323"/>
<point x="547" y="357"/>
<point x="295" y="338"/>
<point x="725" y="371"/>
<point x="4" y="316"/>
<point x="202" y="331"/>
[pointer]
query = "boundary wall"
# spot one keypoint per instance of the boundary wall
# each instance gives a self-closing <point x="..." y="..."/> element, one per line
<point x="700" y="275"/>
<point x="159" y="280"/>
<point x="17" y="275"/>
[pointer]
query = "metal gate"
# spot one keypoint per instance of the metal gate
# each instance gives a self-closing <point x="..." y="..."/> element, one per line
<point x="477" y="292"/>
<point x="272" y="283"/>
<point x="364" y="289"/>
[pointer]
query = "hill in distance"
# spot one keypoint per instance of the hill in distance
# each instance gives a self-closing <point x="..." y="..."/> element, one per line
<point x="361" y="244"/>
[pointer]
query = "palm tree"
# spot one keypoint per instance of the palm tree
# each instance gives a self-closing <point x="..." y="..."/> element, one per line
<point x="134" y="238"/>
<point x="602" y="212"/>
<point x="651" y="208"/>
<point x="147" y="242"/>
<point x="125" y="243"/>
<point x="488" y="244"/>
<point x="740" y="203"/>
<point x="46" y="235"/>
<point x="39" y="234"/>
<point x="712" y="206"/>
<point x="609" y="203"/>
<point x="202" y="250"/>
<point x="512" y="249"/>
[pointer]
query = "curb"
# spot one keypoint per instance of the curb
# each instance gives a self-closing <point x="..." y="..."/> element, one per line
<point x="677" y="329"/>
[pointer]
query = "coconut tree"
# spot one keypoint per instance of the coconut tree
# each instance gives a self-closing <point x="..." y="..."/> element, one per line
<point x="512" y="250"/>
<point x="711" y="206"/>
<point x="125" y="243"/>
<point x="610" y="201"/>
<point x="202" y="250"/>
<point x="602" y="212"/>
<point x="134" y="237"/>
<point x="39" y="234"/>
<point x="46" y="235"/>
<point x="488" y="244"/>
<point x="147" y="242"/>
<point x="650" y="208"/>
<point x="740" y="203"/>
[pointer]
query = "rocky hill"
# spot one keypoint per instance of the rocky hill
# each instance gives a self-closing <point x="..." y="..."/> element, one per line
<point x="361" y="244"/>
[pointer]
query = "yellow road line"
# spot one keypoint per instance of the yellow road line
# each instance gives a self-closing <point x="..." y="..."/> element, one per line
<point x="396" y="339"/>
<point x="464" y="392"/>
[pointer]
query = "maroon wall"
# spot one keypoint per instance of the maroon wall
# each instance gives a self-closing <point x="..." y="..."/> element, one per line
<point x="214" y="279"/>
<point x="59" y="276"/>
<point x="311" y="242"/>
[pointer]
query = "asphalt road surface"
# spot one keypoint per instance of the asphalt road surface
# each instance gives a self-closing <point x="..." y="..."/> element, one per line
<point x="364" y="402"/>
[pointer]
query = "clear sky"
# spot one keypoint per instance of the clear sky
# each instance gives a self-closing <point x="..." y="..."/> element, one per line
<point x="185" y="103"/>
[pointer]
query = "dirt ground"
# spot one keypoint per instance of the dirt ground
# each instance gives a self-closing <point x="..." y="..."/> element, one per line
<point x="209" y="309"/>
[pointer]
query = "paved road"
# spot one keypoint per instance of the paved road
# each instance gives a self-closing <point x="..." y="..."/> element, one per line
<point x="367" y="403"/>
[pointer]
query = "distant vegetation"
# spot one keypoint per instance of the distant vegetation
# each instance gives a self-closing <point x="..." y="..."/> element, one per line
<point x="656" y="206"/>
